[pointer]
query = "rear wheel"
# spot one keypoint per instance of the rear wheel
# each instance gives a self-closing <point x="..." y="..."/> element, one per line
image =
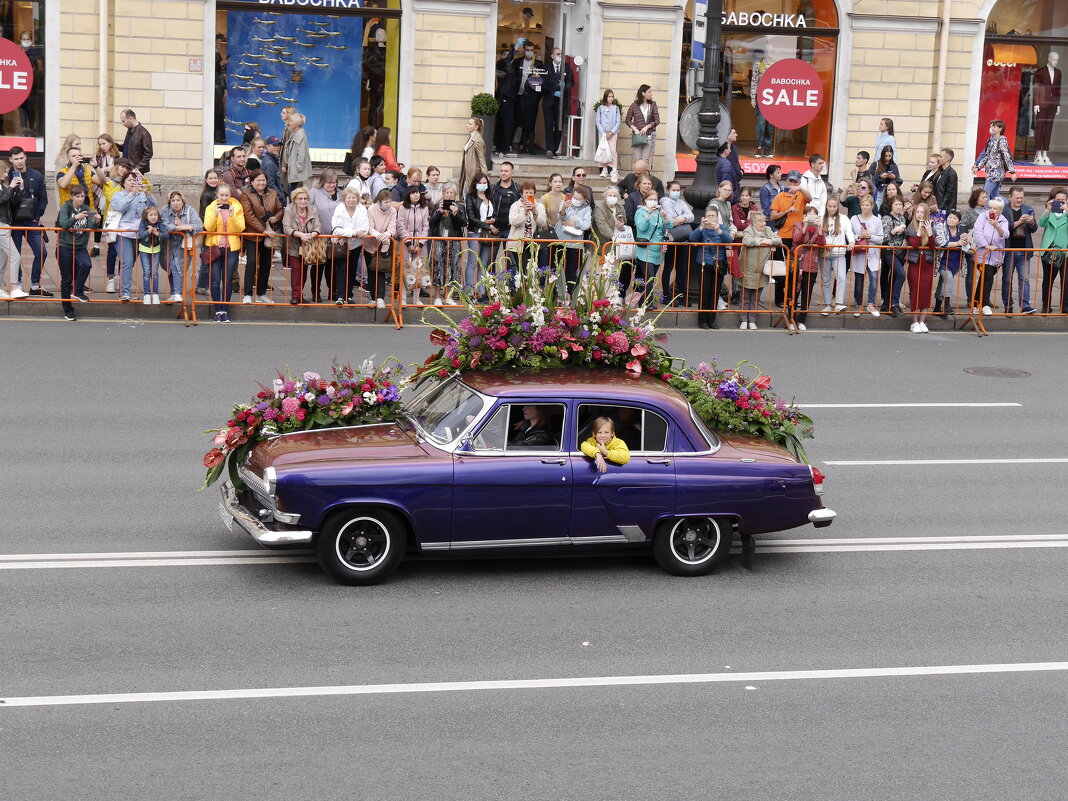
<point x="693" y="546"/>
<point x="361" y="546"/>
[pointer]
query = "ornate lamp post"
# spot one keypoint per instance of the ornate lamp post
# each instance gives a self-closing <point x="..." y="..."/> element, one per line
<point x="703" y="188"/>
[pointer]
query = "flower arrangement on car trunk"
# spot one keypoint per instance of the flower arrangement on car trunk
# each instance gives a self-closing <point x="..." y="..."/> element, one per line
<point x="349" y="397"/>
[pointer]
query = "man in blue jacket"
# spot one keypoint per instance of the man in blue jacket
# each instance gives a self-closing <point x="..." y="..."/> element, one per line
<point x="1022" y="224"/>
<point x="28" y="215"/>
<point x="772" y="188"/>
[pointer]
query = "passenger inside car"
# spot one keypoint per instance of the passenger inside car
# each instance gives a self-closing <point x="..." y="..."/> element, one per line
<point x="534" y="429"/>
<point x="604" y="446"/>
<point x="628" y="424"/>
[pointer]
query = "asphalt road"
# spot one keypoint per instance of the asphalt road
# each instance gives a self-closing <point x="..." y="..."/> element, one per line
<point x="100" y="452"/>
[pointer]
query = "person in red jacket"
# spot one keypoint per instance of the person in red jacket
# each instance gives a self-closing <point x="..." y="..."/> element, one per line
<point x="808" y="243"/>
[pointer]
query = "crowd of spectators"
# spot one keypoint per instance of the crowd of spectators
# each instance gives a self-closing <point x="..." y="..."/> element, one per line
<point x="337" y="241"/>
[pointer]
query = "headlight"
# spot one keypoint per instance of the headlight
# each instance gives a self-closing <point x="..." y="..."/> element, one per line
<point x="270" y="478"/>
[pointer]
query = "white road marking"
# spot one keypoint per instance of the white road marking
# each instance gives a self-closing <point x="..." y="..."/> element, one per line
<point x="907" y="405"/>
<point x="532" y="684"/>
<point x="53" y="561"/>
<point x="918" y="462"/>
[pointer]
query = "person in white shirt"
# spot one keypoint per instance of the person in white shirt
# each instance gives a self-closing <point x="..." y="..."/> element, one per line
<point x="812" y="184"/>
<point x="349" y="220"/>
<point x="833" y="261"/>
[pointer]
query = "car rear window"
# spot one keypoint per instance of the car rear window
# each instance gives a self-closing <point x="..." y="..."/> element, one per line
<point x="642" y="430"/>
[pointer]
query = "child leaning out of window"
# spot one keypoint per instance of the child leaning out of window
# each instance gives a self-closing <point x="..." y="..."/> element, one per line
<point x="605" y="445"/>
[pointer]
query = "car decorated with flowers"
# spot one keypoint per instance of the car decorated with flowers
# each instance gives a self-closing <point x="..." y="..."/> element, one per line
<point x="490" y="451"/>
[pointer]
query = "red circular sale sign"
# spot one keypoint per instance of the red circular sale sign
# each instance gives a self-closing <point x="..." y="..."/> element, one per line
<point x="16" y="76"/>
<point x="790" y="94"/>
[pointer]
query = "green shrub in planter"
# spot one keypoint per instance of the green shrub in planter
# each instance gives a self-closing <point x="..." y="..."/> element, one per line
<point x="484" y="105"/>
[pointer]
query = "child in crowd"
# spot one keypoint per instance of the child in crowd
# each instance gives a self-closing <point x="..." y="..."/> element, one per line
<point x="605" y="445"/>
<point x="75" y="218"/>
<point x="150" y="237"/>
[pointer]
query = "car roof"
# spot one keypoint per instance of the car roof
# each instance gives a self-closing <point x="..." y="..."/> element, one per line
<point x="608" y="385"/>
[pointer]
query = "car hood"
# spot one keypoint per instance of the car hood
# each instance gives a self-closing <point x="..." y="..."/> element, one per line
<point x="755" y="447"/>
<point x="377" y="442"/>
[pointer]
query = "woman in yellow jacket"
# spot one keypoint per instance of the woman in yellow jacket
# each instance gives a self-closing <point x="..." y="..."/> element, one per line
<point x="605" y="445"/>
<point x="224" y="219"/>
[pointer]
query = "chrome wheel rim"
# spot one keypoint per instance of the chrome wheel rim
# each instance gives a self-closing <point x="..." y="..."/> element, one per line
<point x="362" y="544"/>
<point x="695" y="540"/>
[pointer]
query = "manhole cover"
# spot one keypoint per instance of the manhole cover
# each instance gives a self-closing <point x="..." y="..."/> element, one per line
<point x="997" y="372"/>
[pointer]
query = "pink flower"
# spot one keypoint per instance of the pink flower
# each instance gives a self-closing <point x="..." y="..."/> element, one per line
<point x="763" y="382"/>
<point x="290" y="406"/>
<point x="220" y="439"/>
<point x="617" y="342"/>
<point x="639" y="350"/>
<point x="347" y="408"/>
<point x="634" y="366"/>
<point x="311" y="377"/>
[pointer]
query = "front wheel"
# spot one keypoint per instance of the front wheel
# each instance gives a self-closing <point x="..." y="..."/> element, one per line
<point x="693" y="546"/>
<point x="361" y="546"/>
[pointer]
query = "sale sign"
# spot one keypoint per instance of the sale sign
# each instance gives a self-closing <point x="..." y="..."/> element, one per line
<point x="16" y="76"/>
<point x="790" y="94"/>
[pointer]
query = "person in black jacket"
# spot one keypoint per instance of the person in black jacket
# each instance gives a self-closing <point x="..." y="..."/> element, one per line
<point x="479" y="208"/>
<point x="507" y="88"/>
<point x="502" y="195"/>
<point x="946" y="182"/>
<point x="449" y="220"/>
<point x="27" y="214"/>
<point x="557" y="91"/>
<point x="529" y="76"/>
<point x="533" y="431"/>
<point x="10" y="195"/>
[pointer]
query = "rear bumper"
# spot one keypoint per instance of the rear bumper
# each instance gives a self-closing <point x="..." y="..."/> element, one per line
<point x="821" y="518"/>
<point x="234" y="512"/>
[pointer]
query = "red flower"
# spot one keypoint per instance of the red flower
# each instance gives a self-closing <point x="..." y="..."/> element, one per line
<point x="502" y="345"/>
<point x="765" y="412"/>
<point x="476" y="359"/>
<point x="502" y="330"/>
<point x="455" y="362"/>
<point x="597" y="354"/>
<point x="439" y="337"/>
<point x="487" y="312"/>
<point x="482" y="330"/>
<point x="443" y="372"/>
<point x="213" y="458"/>
<point x="742" y="403"/>
<point x="366" y="387"/>
<point x="763" y="382"/>
<point x="233" y="437"/>
<point x="639" y="351"/>
<point x="666" y="376"/>
<point x="301" y="414"/>
<point x="634" y="366"/>
<point x="509" y="319"/>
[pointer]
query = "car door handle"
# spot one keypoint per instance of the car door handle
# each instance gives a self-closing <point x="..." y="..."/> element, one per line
<point x="547" y="460"/>
<point x="658" y="461"/>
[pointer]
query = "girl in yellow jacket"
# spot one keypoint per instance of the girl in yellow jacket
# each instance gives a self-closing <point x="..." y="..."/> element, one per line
<point x="605" y="445"/>
<point x="224" y="220"/>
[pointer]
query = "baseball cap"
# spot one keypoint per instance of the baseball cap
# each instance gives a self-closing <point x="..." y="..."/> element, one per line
<point x="272" y="140"/>
<point x="793" y="175"/>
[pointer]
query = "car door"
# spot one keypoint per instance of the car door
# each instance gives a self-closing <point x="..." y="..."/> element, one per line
<point x="508" y="495"/>
<point x="624" y="503"/>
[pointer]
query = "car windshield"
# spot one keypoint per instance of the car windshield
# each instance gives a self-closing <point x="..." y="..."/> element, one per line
<point x="445" y="412"/>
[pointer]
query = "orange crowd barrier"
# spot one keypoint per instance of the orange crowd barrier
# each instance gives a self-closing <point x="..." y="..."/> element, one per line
<point x="1032" y="283"/>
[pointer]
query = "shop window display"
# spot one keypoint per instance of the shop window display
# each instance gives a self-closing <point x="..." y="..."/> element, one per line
<point x="339" y="69"/>
<point x="22" y="25"/>
<point x="757" y="35"/>
<point x="1024" y="57"/>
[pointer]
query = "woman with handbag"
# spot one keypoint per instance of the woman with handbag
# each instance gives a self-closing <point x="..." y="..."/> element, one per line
<point x="184" y="224"/>
<point x="448" y="221"/>
<point x="643" y="117"/>
<point x="413" y="224"/>
<point x="525" y="217"/>
<point x="481" y="246"/>
<point x="608" y="120"/>
<point x="650" y="229"/>
<point x="920" y="271"/>
<point x="305" y="252"/>
<point x="575" y="219"/>
<point x="759" y="243"/>
<point x="474" y="158"/>
<point x="349" y="226"/>
<point x="130" y="203"/>
<point x="867" y="231"/>
<point x="892" y="275"/>
<point x="296" y="166"/>
<point x="224" y="220"/>
<point x="953" y="243"/>
<point x="263" y="213"/>
<point x="378" y="246"/>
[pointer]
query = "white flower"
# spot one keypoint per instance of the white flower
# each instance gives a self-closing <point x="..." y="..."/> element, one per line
<point x="277" y="387"/>
<point x="309" y="397"/>
<point x="330" y="391"/>
<point x="369" y="397"/>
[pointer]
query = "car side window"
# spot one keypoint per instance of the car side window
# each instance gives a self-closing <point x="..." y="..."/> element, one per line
<point x="518" y="427"/>
<point x="643" y="431"/>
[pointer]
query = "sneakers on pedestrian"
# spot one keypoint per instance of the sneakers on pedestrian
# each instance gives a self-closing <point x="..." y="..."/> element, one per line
<point x="147" y="300"/>
<point x="262" y="299"/>
<point x="914" y="328"/>
<point x="856" y="313"/>
<point x="721" y="304"/>
<point x="155" y="299"/>
<point x="825" y="311"/>
<point x="40" y="292"/>
<point x="439" y="302"/>
<point x="752" y="326"/>
<point x="246" y="300"/>
<point x="125" y="299"/>
<point x="923" y="328"/>
<point x="895" y="311"/>
<point x="80" y="297"/>
<point x="218" y="317"/>
<point x="95" y="251"/>
<point x="339" y="302"/>
<point x="792" y="327"/>
<point x="17" y="293"/>
<point x="380" y="303"/>
<point x="70" y="316"/>
<point x="874" y="312"/>
<point x="802" y="327"/>
<point x="225" y="317"/>
<point x="110" y="289"/>
<point x="841" y="307"/>
<point x="176" y="298"/>
<point x="987" y="310"/>
<point x="1029" y="310"/>
<point x="743" y="325"/>
<point x="5" y="295"/>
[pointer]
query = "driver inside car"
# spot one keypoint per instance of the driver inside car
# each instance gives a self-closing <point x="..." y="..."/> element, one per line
<point x="533" y="431"/>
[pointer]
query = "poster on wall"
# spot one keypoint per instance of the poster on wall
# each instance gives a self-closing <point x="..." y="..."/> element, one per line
<point x="312" y="62"/>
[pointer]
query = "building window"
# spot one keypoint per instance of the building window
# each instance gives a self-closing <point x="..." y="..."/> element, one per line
<point x="22" y="26"/>
<point x="340" y="69"/>
<point x="756" y="35"/>
<point x="1024" y="56"/>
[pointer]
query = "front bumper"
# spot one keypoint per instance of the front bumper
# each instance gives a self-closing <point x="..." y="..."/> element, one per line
<point x="276" y="536"/>
<point x="821" y="518"/>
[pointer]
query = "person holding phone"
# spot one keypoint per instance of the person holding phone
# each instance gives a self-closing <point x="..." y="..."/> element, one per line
<point x="990" y="232"/>
<point x="809" y="242"/>
<point x="1022" y="223"/>
<point x="996" y="160"/>
<point x="1054" y="224"/>
<point x="448" y="220"/>
<point x="224" y="220"/>
<point x="921" y="240"/>
<point x="75" y="218"/>
<point x="130" y="202"/>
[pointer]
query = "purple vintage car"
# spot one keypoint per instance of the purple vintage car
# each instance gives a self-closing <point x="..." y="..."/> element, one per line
<point x="456" y="476"/>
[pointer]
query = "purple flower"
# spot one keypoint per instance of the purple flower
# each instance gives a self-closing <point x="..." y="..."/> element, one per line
<point x="345" y="393"/>
<point x="390" y="393"/>
<point x="261" y="406"/>
<point x="323" y="400"/>
<point x="476" y="341"/>
<point x="524" y="325"/>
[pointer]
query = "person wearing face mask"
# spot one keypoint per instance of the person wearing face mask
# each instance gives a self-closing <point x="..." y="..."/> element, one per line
<point x="679" y="217"/>
<point x="481" y="247"/>
<point x="1054" y="225"/>
<point x="576" y="218"/>
<point x="530" y="83"/>
<point x="609" y="219"/>
<point x="650" y="228"/>
<point x="525" y="217"/>
<point x="557" y="91"/>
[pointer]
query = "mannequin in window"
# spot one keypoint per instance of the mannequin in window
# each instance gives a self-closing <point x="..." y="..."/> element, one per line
<point x="1047" y="90"/>
<point x="764" y="132"/>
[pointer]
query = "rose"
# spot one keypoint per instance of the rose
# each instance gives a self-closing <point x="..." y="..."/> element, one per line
<point x="666" y="377"/>
<point x="214" y="458"/>
<point x="443" y="372"/>
<point x="502" y="330"/>
<point x="301" y="414"/>
<point x="455" y="362"/>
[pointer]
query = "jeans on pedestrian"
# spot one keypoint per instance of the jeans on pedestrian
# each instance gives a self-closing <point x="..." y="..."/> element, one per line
<point x="1020" y="263"/>
<point x="174" y="260"/>
<point x="749" y="305"/>
<point x="833" y="273"/>
<point x="858" y="286"/>
<point x="111" y="257"/>
<point x="992" y="189"/>
<point x="36" y="247"/>
<point x="8" y="257"/>
<point x="127" y="247"/>
<point x="71" y="261"/>
<point x="892" y="277"/>
<point x="258" y="255"/>
<point x="764" y="133"/>
<point x="221" y="276"/>
<point x="150" y="263"/>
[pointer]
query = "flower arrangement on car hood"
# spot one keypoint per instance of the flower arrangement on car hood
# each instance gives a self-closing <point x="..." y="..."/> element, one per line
<point x="349" y="397"/>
